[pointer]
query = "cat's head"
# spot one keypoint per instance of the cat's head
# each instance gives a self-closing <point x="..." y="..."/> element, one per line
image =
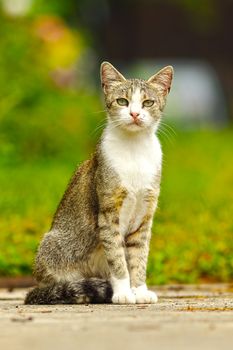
<point x="135" y="104"/>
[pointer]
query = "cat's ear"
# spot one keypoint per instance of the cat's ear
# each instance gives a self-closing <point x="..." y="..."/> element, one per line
<point x="163" y="79"/>
<point x="110" y="75"/>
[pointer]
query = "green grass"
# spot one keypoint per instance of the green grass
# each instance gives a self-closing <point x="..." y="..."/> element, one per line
<point x="192" y="238"/>
<point x="192" y="232"/>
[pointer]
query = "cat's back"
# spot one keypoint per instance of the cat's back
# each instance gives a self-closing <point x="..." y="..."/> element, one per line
<point x="80" y="196"/>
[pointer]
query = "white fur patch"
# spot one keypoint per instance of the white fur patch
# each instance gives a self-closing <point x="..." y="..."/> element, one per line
<point x="122" y="294"/>
<point x="136" y="158"/>
<point x="135" y="104"/>
<point x="144" y="296"/>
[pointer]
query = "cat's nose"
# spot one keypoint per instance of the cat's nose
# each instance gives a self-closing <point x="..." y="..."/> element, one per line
<point x="135" y="115"/>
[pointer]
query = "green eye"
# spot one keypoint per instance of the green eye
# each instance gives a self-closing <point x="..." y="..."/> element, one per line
<point x="148" y="103"/>
<point x="122" y="101"/>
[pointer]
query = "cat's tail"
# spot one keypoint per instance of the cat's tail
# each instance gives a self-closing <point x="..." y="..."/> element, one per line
<point x="84" y="291"/>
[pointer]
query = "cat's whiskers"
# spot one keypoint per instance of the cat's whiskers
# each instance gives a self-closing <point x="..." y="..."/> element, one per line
<point x="164" y="132"/>
<point x="166" y="125"/>
<point x="114" y="125"/>
<point x="102" y="111"/>
<point x="100" y="126"/>
<point x="167" y="131"/>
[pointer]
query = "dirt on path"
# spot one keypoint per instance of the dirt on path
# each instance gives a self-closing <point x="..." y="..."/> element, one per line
<point x="185" y="317"/>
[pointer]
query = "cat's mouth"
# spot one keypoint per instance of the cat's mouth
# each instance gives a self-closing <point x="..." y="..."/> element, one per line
<point x="134" y="125"/>
<point x="137" y="122"/>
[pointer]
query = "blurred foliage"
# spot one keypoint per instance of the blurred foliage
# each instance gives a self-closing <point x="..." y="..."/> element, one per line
<point x="193" y="227"/>
<point x="39" y="108"/>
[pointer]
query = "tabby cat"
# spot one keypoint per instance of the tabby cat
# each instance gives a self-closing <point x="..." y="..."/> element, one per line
<point x="97" y="248"/>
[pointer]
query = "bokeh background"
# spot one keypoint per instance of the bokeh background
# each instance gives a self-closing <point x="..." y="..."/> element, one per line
<point x="51" y="115"/>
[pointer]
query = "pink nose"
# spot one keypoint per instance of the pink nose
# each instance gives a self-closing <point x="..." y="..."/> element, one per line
<point x="134" y="115"/>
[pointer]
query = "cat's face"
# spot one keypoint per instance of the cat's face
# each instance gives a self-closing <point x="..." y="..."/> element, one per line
<point x="135" y="104"/>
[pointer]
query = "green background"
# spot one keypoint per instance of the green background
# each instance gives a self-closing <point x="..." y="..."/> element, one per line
<point x="46" y="130"/>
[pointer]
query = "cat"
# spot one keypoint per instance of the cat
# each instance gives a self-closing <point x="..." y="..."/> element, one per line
<point x="97" y="248"/>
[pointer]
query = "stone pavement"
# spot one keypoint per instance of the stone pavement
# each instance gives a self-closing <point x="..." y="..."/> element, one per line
<point x="186" y="317"/>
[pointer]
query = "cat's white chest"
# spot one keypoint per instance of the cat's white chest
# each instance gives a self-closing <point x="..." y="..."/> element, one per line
<point x="136" y="170"/>
<point x="137" y="162"/>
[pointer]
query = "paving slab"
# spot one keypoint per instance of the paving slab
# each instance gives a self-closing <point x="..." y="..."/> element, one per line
<point x="185" y="317"/>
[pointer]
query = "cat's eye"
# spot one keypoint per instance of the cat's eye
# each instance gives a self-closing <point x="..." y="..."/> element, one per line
<point x="148" y="103"/>
<point x="122" y="101"/>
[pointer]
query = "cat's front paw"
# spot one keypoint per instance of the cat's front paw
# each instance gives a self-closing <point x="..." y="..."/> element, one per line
<point x="144" y="296"/>
<point x="124" y="298"/>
